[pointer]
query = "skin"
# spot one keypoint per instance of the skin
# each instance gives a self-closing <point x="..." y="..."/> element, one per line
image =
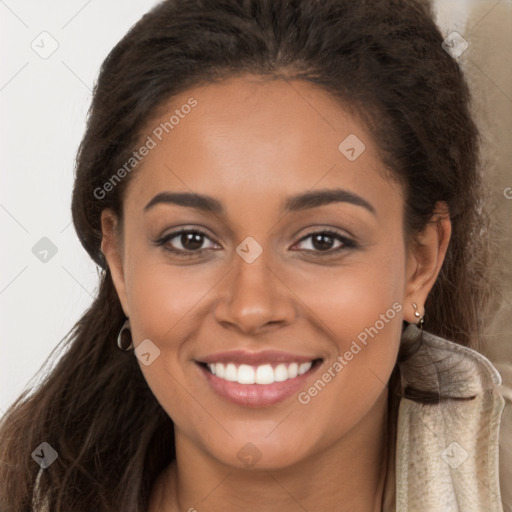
<point x="251" y="143"/>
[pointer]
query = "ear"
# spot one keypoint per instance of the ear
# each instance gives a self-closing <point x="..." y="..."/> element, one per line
<point x="425" y="257"/>
<point x="112" y="248"/>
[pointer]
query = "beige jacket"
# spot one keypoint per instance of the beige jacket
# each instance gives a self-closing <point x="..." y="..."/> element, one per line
<point x="444" y="456"/>
<point x="454" y="455"/>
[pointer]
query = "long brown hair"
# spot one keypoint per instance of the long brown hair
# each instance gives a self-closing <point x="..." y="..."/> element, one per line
<point x="384" y="59"/>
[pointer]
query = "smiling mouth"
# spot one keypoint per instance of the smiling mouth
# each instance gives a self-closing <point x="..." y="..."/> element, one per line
<point x="263" y="374"/>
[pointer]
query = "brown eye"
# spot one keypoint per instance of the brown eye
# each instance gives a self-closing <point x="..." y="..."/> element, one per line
<point x="191" y="240"/>
<point x="324" y="241"/>
<point x="184" y="241"/>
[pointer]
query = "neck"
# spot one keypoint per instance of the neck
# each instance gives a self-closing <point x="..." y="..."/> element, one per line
<point x="350" y="473"/>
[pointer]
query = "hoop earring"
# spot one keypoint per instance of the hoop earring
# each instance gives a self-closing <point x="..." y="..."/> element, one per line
<point x="421" y="320"/>
<point x="124" y="338"/>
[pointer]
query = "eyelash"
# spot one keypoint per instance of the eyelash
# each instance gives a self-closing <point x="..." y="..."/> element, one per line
<point x="347" y="243"/>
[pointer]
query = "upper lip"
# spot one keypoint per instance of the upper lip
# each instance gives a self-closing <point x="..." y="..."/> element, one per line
<point x="255" y="358"/>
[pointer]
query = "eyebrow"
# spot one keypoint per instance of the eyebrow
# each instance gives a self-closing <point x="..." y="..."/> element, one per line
<point x="304" y="201"/>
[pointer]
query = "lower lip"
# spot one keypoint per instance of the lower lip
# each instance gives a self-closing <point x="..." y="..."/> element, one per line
<point x="256" y="395"/>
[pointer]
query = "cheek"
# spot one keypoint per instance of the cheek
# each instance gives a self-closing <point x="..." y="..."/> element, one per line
<point x="359" y="308"/>
<point x="162" y="296"/>
<point x="165" y="302"/>
<point x="346" y="299"/>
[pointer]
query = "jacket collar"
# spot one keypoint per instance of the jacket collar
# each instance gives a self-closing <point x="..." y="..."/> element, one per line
<point x="444" y="454"/>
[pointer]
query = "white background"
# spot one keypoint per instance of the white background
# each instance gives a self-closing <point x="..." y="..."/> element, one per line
<point x="43" y="107"/>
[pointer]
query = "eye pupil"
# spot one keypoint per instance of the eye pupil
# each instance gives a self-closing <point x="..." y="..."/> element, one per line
<point x="322" y="241"/>
<point x="191" y="241"/>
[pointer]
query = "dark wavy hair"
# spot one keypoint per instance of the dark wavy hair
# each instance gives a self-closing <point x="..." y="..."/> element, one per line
<point x="382" y="59"/>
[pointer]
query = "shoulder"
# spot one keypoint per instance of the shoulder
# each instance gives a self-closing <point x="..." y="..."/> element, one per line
<point x="470" y="415"/>
<point x="505" y="451"/>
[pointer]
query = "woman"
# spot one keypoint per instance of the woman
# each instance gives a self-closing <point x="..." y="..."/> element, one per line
<point x="284" y="199"/>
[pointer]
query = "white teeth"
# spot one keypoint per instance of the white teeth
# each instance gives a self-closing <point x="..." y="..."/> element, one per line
<point x="263" y="374"/>
<point x="280" y="373"/>
<point x="293" y="370"/>
<point x="304" y="367"/>
<point x="219" y="370"/>
<point x="230" y="372"/>
<point x="245" y="374"/>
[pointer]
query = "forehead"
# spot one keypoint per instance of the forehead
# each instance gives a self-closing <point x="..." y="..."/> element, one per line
<point x="247" y="138"/>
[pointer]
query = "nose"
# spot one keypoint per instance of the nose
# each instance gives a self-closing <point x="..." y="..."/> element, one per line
<point x="254" y="297"/>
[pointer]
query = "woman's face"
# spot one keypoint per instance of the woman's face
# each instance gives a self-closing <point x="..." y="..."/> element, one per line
<point x="268" y="282"/>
